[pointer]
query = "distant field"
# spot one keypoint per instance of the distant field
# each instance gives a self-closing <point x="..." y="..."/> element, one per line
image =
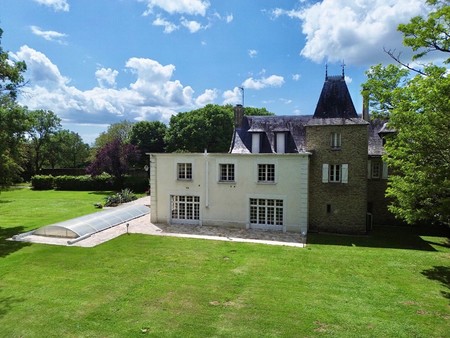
<point x="395" y="283"/>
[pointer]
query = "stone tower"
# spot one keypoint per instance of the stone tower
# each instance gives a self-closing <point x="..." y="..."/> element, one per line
<point x="338" y="139"/>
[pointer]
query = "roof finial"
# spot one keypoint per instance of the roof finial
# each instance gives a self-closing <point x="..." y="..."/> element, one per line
<point x="326" y="71"/>
<point x="343" y="69"/>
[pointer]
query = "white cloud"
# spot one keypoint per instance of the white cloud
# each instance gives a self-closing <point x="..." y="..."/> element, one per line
<point x="106" y="77"/>
<point x="58" y="5"/>
<point x="41" y="70"/>
<point x="209" y="96"/>
<point x="229" y="18"/>
<point x="354" y="31"/>
<point x="296" y="77"/>
<point x="191" y="7"/>
<point x="154" y="95"/>
<point x="48" y="35"/>
<point x="232" y="96"/>
<point x="271" y="81"/>
<point x="252" y="53"/>
<point x="191" y="25"/>
<point x="169" y="27"/>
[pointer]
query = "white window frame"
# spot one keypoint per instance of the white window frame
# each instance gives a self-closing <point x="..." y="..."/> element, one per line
<point x="227" y="172"/>
<point x="335" y="141"/>
<point x="185" y="209"/>
<point x="335" y="173"/>
<point x="184" y="171"/>
<point x="266" y="172"/>
<point x="266" y="213"/>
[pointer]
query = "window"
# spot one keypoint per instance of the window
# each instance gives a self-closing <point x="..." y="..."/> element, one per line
<point x="185" y="207"/>
<point x="376" y="169"/>
<point x="281" y="143"/>
<point x="266" y="211"/>
<point x="256" y="143"/>
<point x="266" y="172"/>
<point x="335" y="173"/>
<point x="335" y="140"/>
<point x="184" y="171"/>
<point x="226" y="172"/>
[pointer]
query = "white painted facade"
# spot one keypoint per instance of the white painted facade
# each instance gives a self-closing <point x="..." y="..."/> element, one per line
<point x="267" y="191"/>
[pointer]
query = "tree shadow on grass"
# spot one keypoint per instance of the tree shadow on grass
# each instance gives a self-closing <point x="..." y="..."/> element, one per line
<point x="6" y="304"/>
<point x="394" y="237"/>
<point x="8" y="247"/>
<point x="442" y="275"/>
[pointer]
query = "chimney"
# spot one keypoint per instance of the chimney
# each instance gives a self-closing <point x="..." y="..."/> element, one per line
<point x="365" y="112"/>
<point x="238" y="115"/>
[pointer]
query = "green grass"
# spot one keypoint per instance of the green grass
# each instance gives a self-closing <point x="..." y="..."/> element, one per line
<point x="395" y="283"/>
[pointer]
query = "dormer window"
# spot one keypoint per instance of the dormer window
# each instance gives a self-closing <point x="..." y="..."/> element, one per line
<point x="256" y="143"/>
<point x="335" y="141"/>
<point x="281" y="142"/>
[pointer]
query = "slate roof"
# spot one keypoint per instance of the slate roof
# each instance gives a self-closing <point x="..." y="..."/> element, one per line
<point x="268" y="126"/>
<point x="335" y="100"/>
<point x="335" y="107"/>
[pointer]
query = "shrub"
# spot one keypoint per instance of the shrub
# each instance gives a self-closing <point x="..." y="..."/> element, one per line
<point x="42" y="182"/>
<point x="136" y="183"/>
<point x="85" y="182"/>
<point x="126" y="195"/>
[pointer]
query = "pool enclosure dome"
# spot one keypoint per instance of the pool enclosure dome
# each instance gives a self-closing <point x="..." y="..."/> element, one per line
<point x="85" y="226"/>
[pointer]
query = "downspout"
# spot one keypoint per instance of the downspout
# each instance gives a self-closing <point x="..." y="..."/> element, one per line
<point x="206" y="179"/>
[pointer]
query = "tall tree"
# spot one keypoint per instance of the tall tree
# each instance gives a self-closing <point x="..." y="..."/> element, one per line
<point x="419" y="154"/>
<point x="210" y="128"/>
<point x="66" y="149"/>
<point x="418" y="110"/>
<point x="114" y="158"/>
<point x="43" y="124"/>
<point x="12" y="118"/>
<point x="120" y="130"/>
<point x="148" y="137"/>
<point x="11" y="73"/>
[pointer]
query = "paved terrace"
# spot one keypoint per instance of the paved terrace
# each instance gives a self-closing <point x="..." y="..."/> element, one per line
<point x="142" y="225"/>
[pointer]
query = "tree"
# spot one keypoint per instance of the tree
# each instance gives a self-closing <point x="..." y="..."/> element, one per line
<point x="120" y="130"/>
<point x="66" y="149"/>
<point x="114" y="158"/>
<point x="210" y="128"/>
<point x="380" y="87"/>
<point x="419" y="154"/>
<point x="12" y="118"/>
<point x="252" y="111"/>
<point x="431" y="34"/>
<point x="148" y="137"/>
<point x="11" y="74"/>
<point x="417" y="108"/>
<point x="43" y="124"/>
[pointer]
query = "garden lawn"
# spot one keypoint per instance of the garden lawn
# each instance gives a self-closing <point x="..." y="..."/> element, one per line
<point x="394" y="283"/>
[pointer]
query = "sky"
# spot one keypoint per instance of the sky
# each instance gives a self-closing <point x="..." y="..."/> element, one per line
<point x="98" y="62"/>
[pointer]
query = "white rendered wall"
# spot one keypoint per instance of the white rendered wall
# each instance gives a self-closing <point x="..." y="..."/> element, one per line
<point x="227" y="204"/>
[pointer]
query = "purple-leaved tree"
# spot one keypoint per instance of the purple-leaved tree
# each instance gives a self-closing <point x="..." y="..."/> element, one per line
<point x="114" y="158"/>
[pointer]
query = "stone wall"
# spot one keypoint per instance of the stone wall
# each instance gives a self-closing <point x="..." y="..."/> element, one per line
<point x="338" y="207"/>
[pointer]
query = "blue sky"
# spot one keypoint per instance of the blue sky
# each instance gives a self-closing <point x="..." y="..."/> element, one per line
<point x="97" y="62"/>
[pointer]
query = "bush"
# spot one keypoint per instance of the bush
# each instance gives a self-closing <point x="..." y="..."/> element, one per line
<point x="42" y="182"/>
<point x="85" y="183"/>
<point x="126" y="195"/>
<point x="136" y="183"/>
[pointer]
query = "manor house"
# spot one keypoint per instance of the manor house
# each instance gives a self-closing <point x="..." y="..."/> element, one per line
<point x="321" y="172"/>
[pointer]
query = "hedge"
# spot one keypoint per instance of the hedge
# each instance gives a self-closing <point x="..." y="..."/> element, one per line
<point x="103" y="182"/>
<point x="42" y="182"/>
